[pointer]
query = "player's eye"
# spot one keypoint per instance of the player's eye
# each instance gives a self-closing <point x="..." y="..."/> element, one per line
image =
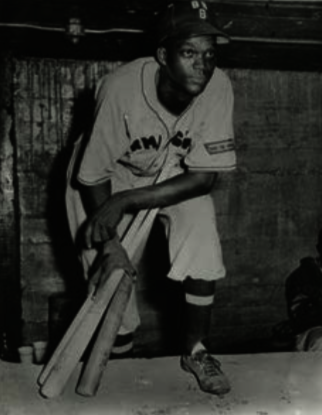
<point x="187" y="53"/>
<point x="210" y="54"/>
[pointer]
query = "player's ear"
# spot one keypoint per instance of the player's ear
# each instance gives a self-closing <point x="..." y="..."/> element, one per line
<point x="161" y="55"/>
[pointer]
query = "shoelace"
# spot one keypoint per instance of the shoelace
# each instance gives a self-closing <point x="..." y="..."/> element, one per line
<point x="211" y="365"/>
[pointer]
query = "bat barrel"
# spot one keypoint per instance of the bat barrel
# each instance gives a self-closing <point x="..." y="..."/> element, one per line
<point x="75" y="341"/>
<point x="93" y="369"/>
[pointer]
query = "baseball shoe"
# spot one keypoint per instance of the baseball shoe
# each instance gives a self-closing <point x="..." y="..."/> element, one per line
<point x="206" y="370"/>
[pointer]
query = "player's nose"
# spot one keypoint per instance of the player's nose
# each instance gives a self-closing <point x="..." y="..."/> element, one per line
<point x="199" y="62"/>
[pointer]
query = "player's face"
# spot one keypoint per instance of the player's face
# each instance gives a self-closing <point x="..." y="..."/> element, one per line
<point x="190" y="63"/>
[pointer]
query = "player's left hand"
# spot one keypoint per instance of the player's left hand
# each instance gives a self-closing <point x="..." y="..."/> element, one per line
<point x="101" y="227"/>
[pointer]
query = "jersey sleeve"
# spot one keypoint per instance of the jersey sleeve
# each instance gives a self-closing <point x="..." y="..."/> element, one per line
<point x="107" y="141"/>
<point x="213" y="147"/>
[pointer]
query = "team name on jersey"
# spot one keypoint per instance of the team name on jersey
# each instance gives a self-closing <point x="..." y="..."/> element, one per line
<point x="179" y="140"/>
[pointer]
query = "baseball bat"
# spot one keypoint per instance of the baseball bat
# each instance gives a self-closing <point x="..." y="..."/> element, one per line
<point x="93" y="368"/>
<point x="135" y="226"/>
<point x="64" y="360"/>
<point x="63" y="364"/>
<point x="64" y="341"/>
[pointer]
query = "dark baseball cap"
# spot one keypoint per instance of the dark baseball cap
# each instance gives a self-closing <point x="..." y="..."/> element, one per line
<point x="187" y="19"/>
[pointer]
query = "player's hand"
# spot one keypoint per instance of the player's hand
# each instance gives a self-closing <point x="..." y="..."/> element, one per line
<point x="110" y="257"/>
<point x="101" y="227"/>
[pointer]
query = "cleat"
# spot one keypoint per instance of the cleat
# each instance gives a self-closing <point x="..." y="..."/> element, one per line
<point x="206" y="370"/>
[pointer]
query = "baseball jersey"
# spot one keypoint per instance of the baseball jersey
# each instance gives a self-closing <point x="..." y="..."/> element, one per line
<point x="133" y="132"/>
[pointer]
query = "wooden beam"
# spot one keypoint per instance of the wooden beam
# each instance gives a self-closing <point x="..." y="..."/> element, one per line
<point x="265" y="34"/>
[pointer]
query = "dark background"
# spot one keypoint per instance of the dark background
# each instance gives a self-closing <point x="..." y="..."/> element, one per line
<point x="268" y="210"/>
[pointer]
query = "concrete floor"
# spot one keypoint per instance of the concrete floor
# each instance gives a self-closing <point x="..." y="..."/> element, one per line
<point x="262" y="384"/>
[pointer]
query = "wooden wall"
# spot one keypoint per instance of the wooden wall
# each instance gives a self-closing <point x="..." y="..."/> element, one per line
<point x="268" y="210"/>
<point x="9" y="247"/>
<point x="52" y="101"/>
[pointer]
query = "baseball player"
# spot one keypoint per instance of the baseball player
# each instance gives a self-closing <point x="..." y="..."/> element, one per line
<point x="303" y="293"/>
<point x="174" y="106"/>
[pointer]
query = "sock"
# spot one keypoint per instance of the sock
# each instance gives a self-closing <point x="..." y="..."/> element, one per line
<point x="198" y="346"/>
<point x="123" y="346"/>
<point x="199" y="296"/>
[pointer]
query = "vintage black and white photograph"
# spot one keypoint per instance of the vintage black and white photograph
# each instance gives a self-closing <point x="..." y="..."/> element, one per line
<point x="161" y="207"/>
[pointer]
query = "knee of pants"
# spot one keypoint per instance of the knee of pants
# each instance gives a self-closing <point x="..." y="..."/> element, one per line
<point x="197" y="213"/>
<point x="194" y="243"/>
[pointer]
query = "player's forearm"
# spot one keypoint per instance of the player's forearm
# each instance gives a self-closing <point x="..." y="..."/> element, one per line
<point x="170" y="192"/>
<point x="102" y="225"/>
<point x="94" y="196"/>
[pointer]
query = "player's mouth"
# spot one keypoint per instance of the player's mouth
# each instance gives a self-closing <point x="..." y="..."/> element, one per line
<point x="200" y="78"/>
<point x="200" y="81"/>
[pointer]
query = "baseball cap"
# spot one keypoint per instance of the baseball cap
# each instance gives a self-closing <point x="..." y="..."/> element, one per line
<point x="186" y="19"/>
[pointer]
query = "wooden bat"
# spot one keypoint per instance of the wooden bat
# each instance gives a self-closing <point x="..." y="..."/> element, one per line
<point x="93" y="369"/>
<point x="63" y="364"/>
<point x="134" y="228"/>
<point x="64" y="360"/>
<point x="69" y="333"/>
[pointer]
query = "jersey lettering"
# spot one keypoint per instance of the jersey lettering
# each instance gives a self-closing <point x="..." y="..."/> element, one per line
<point x="151" y="142"/>
<point x="136" y="145"/>
<point x="179" y="141"/>
<point x="147" y="143"/>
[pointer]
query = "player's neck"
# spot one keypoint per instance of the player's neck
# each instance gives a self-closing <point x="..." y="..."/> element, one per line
<point x="174" y="99"/>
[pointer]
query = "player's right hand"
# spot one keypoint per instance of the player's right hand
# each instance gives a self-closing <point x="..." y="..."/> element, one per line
<point x="110" y="257"/>
<point x="101" y="227"/>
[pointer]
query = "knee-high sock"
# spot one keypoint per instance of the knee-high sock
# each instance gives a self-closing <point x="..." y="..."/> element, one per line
<point x="123" y="346"/>
<point x="199" y="297"/>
